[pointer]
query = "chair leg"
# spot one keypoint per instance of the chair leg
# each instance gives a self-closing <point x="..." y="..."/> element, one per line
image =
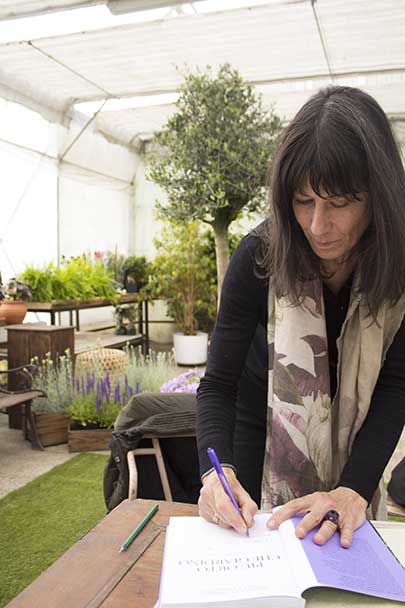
<point x="30" y="419"/>
<point x="133" y="475"/>
<point x="162" y="470"/>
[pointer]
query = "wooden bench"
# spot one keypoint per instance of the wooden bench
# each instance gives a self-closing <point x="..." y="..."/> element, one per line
<point x="10" y="399"/>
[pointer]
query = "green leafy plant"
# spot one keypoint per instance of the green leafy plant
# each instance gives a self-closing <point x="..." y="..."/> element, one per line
<point x="213" y="154"/>
<point x="207" y="307"/>
<point x="76" y="278"/>
<point x="96" y="402"/>
<point x="180" y="273"/>
<point x="136" y="270"/>
<point x="41" y="282"/>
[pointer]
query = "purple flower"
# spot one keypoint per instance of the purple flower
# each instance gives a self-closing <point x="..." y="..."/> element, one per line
<point x="89" y="384"/>
<point x="187" y="382"/>
<point x="117" y="396"/>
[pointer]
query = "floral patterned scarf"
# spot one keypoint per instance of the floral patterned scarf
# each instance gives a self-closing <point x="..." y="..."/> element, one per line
<point x="310" y="436"/>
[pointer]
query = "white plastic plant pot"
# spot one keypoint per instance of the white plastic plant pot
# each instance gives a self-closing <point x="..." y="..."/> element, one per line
<point x="191" y="350"/>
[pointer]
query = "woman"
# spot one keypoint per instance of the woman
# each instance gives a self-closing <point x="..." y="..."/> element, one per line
<point x="325" y="277"/>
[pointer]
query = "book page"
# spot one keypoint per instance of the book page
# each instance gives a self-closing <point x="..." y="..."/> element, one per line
<point x="367" y="566"/>
<point x="206" y="564"/>
<point x="300" y="567"/>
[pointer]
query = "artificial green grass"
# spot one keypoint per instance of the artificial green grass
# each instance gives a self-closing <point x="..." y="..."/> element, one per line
<point x="40" y="521"/>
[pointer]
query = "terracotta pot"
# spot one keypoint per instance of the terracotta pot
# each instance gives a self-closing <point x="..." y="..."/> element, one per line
<point x="13" y="312"/>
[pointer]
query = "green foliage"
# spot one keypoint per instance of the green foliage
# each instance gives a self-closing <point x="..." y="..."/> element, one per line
<point x="207" y="308"/>
<point x="97" y="402"/>
<point x="150" y="371"/>
<point x="180" y="273"/>
<point x="76" y="278"/>
<point x="137" y="267"/>
<point x="56" y="381"/>
<point x="214" y="152"/>
<point x="84" y="411"/>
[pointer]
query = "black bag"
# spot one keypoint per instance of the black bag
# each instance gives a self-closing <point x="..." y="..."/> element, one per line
<point x="164" y="415"/>
<point x="181" y="462"/>
<point x="396" y="485"/>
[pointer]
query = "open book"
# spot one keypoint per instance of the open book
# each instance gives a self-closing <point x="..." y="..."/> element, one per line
<point x="206" y="565"/>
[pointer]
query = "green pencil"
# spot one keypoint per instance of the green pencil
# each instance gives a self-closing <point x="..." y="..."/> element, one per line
<point x="138" y="528"/>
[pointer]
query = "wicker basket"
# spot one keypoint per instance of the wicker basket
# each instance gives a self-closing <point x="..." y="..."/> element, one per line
<point x="103" y="361"/>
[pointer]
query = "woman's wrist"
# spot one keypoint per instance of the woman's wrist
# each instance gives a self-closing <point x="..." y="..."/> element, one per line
<point x="224" y="465"/>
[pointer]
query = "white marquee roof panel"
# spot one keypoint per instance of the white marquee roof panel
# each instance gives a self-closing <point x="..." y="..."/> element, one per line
<point x="141" y="58"/>
<point x="19" y="8"/>
<point x="276" y="44"/>
<point x="365" y="34"/>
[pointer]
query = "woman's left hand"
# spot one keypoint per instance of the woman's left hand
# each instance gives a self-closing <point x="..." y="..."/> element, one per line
<point x="348" y="503"/>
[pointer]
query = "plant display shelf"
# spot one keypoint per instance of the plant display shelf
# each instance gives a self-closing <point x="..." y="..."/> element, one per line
<point x="74" y="306"/>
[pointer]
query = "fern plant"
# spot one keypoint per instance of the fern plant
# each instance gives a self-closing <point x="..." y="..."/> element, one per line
<point x="74" y="278"/>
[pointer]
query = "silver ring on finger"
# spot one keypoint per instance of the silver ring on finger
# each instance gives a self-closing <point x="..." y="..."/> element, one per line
<point x="215" y="518"/>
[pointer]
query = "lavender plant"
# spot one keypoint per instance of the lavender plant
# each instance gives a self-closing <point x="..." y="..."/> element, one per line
<point x="96" y="402"/>
<point x="56" y="381"/>
<point x="151" y="370"/>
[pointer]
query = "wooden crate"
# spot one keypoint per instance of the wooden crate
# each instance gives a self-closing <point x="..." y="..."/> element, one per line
<point x="52" y="428"/>
<point x="88" y="440"/>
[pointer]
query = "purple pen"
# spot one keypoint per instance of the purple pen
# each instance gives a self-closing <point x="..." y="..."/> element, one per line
<point x="220" y="472"/>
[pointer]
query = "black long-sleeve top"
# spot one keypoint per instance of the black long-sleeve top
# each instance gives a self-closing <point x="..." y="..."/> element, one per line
<point x="232" y="396"/>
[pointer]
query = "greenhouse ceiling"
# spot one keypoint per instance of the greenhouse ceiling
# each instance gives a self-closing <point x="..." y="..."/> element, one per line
<point x="130" y="72"/>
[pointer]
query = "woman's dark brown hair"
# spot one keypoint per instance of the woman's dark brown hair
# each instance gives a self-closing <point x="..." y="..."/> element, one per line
<point x="342" y="142"/>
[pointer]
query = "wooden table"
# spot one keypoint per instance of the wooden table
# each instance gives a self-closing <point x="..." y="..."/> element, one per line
<point x="93" y="573"/>
<point x="77" y="305"/>
<point x="89" y="340"/>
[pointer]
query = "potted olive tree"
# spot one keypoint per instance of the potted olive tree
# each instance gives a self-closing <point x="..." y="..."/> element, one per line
<point x="180" y="274"/>
<point x="212" y="155"/>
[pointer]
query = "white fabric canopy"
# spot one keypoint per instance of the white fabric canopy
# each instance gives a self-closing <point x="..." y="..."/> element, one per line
<point x="281" y="47"/>
<point x="70" y="187"/>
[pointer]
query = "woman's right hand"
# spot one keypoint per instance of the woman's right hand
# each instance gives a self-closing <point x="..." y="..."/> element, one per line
<point x="215" y="505"/>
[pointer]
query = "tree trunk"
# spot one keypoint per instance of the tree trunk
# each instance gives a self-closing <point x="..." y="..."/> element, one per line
<point x="222" y="253"/>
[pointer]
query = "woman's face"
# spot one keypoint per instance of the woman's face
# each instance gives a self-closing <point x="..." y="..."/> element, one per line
<point x="333" y="225"/>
